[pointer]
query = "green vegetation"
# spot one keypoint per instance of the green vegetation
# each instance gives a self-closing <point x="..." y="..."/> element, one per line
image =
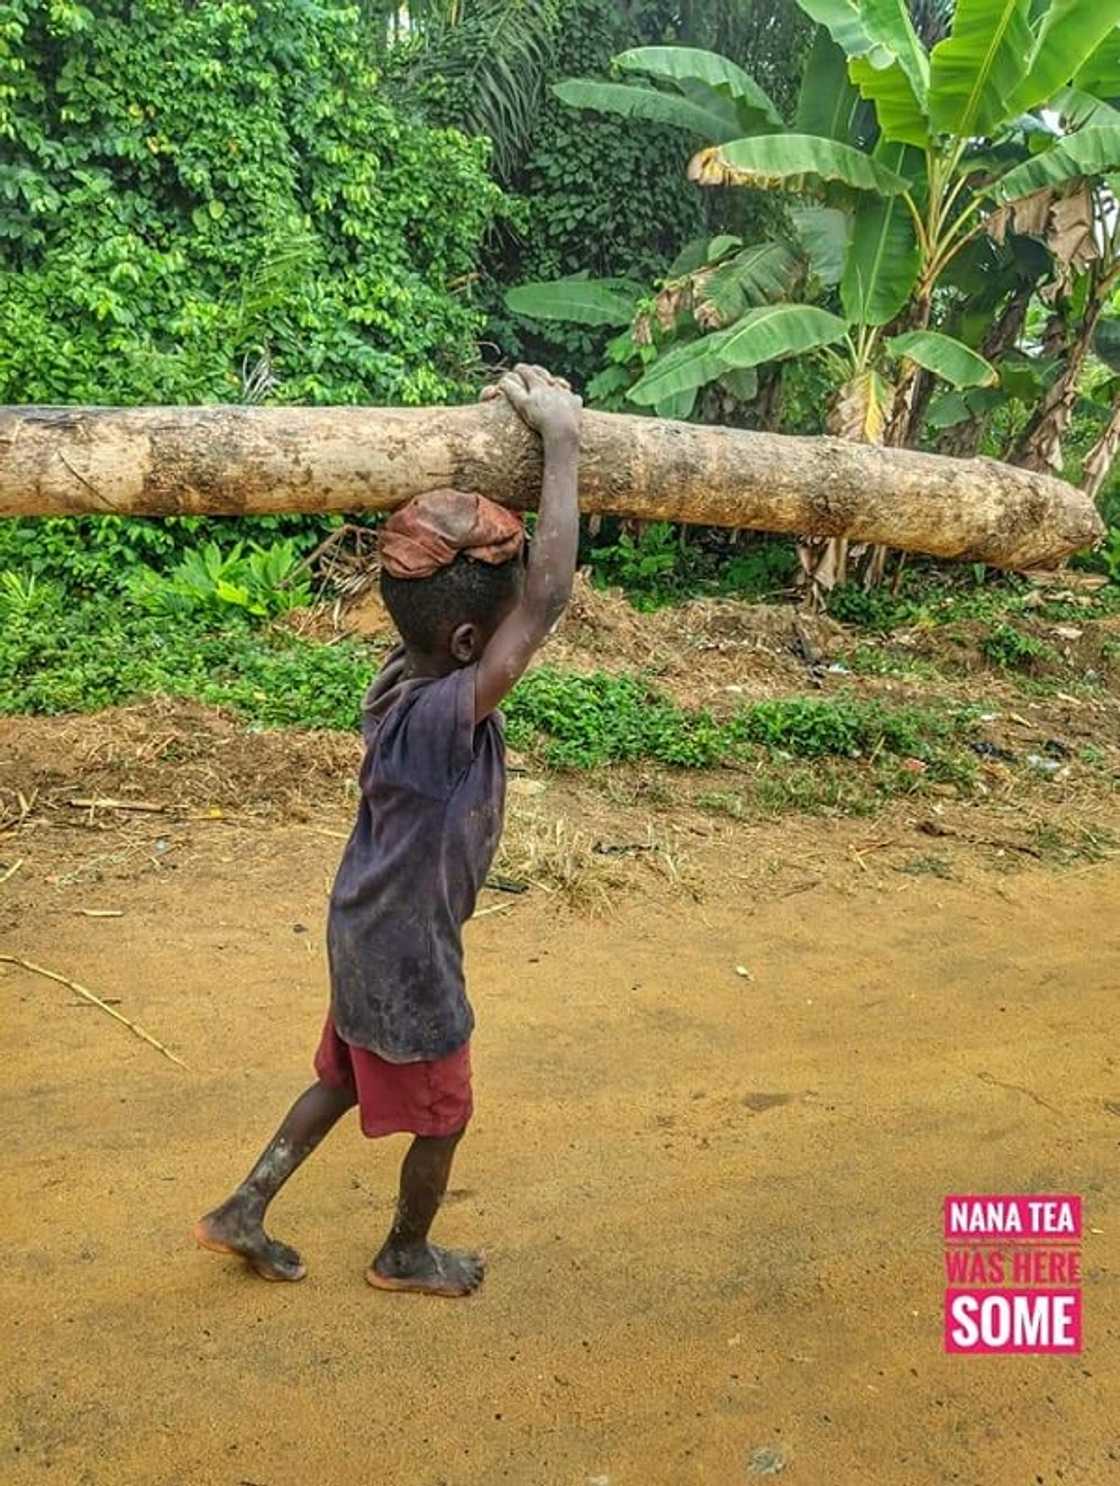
<point x="583" y="721"/>
<point x="925" y="175"/>
<point x="660" y="566"/>
<point x="1010" y="648"/>
<point x="58" y="656"/>
<point x="262" y="582"/>
<point x="929" y="598"/>
<point x="874" y="660"/>
<point x="102" y="554"/>
<point x="216" y="202"/>
<point x="589" y="720"/>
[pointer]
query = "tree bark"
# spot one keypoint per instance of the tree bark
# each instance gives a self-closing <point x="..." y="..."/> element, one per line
<point x="1101" y="457"/>
<point x="1040" y="445"/>
<point x="253" y="461"/>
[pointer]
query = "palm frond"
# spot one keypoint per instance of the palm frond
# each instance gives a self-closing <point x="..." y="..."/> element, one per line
<point x="769" y="39"/>
<point x="493" y="57"/>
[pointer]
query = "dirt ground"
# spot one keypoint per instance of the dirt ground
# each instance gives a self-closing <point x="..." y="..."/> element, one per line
<point x="711" y="1200"/>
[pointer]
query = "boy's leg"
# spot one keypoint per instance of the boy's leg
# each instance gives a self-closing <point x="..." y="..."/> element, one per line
<point x="237" y="1226"/>
<point x="407" y="1261"/>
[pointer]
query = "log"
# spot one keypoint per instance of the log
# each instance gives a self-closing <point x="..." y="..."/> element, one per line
<point x="253" y="461"/>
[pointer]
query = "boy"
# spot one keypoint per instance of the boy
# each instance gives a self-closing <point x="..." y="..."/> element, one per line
<point x="396" y="1042"/>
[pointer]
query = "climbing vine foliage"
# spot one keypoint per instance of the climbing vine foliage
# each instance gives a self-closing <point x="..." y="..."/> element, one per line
<point x="218" y="199"/>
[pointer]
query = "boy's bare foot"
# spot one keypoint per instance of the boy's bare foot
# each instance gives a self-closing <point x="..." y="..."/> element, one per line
<point x="428" y="1270"/>
<point x="230" y="1230"/>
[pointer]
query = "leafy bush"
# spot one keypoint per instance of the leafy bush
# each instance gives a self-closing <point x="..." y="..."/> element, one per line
<point x="102" y="554"/>
<point x="1013" y="650"/>
<point x="213" y="200"/>
<point x="931" y="596"/>
<point x="665" y="563"/>
<point x="759" y="570"/>
<point x="59" y="656"/>
<point x="263" y="582"/>
<point x="642" y="565"/>
<point x="597" y="719"/>
<point x="870" y="608"/>
<point x="814" y="728"/>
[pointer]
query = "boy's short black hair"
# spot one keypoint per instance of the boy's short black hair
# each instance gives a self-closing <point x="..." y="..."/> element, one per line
<point x="426" y="610"/>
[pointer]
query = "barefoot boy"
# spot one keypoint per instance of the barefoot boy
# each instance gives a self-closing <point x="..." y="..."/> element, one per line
<point x="470" y="612"/>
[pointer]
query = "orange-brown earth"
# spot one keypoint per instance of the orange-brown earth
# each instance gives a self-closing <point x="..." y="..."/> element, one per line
<point x="723" y="1085"/>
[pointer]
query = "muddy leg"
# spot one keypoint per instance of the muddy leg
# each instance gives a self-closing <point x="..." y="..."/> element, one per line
<point x="407" y="1260"/>
<point x="237" y="1226"/>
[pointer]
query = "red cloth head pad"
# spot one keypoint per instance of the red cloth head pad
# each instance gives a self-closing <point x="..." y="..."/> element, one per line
<point x="431" y="531"/>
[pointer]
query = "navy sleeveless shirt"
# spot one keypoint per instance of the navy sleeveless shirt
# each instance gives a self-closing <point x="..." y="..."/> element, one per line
<point x="432" y="802"/>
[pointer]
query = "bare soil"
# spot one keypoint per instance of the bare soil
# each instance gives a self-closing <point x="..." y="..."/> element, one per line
<point x="726" y="1070"/>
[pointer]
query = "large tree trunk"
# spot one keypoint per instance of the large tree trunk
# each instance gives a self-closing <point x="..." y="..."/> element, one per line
<point x="241" y="461"/>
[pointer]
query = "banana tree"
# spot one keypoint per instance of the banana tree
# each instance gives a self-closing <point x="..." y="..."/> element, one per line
<point x="942" y="117"/>
<point x="711" y="285"/>
<point x="867" y="366"/>
<point x="941" y="113"/>
<point x="1097" y="465"/>
<point x="706" y="94"/>
<point x="853" y="235"/>
<point x="885" y="212"/>
<point x="1083" y="223"/>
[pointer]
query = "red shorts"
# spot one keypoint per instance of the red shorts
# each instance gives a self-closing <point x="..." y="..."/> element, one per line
<point x="399" y="1098"/>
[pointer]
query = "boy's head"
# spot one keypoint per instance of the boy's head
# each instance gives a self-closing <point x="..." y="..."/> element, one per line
<point x="451" y="570"/>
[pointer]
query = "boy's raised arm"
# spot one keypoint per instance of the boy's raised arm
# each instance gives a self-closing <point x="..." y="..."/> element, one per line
<point x="548" y="406"/>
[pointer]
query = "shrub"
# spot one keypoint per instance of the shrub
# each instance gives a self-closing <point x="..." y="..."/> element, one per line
<point x="1013" y="650"/>
<point x="202" y="198"/>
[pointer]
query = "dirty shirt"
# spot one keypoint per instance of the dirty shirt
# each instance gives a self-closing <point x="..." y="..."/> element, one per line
<point x="432" y="801"/>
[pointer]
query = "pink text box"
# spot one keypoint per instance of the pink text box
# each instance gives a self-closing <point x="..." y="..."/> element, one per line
<point x="1013" y="1322"/>
<point x="988" y="1217"/>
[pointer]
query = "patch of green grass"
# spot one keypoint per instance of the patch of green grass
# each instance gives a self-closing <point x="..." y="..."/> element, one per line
<point x="931" y="598"/>
<point x="1013" y="650"/>
<point x="812" y="727"/>
<point x="817" y="791"/>
<point x="875" y="660"/>
<point x="578" y="721"/>
<point x="57" y="656"/>
<point x="826" y="787"/>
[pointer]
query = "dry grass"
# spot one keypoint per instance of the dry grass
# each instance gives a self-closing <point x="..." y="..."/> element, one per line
<point x="549" y="853"/>
<point x="181" y="755"/>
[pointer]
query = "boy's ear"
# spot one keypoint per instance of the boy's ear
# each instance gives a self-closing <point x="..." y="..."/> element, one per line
<point x="464" y="643"/>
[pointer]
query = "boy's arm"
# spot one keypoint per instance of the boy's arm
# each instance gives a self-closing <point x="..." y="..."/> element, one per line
<point x="548" y="406"/>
